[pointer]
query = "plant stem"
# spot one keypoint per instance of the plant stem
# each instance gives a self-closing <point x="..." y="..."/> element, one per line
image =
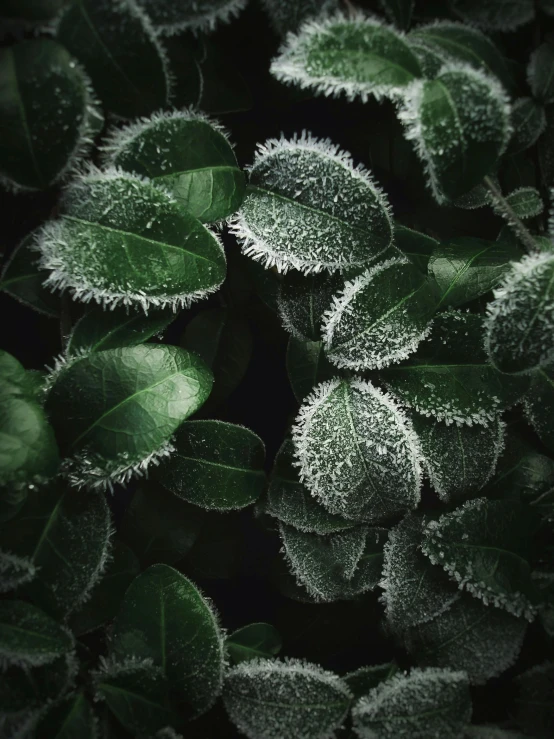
<point x="506" y="210"/>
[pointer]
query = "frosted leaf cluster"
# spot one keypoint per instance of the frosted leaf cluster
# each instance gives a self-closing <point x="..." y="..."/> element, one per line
<point x="171" y="17"/>
<point x="274" y="699"/>
<point x="308" y="207"/>
<point x="428" y="703"/>
<point x="380" y="317"/>
<point x="356" y="451"/>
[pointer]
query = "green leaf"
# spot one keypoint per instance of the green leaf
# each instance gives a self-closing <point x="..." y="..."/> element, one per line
<point x="495" y="15"/>
<point x="457" y="42"/>
<point x="338" y="566"/>
<point x="115" y="411"/>
<point x="525" y="202"/>
<point x="30" y="638"/>
<point x="450" y="376"/>
<point x="103" y="604"/>
<point x="307" y="366"/>
<point x="520" y="321"/>
<point x="101" y="329"/>
<point x="357" y="56"/>
<point x="136" y="692"/>
<point x="165" y="618"/>
<point x="31" y="10"/>
<point x="47" y="105"/>
<point x="380" y="317"/>
<point x="119" y="48"/>
<point x="302" y="300"/>
<point x="224" y="341"/>
<point x="65" y="534"/>
<point x="14" y="380"/>
<point x="425" y="703"/>
<point x="535" y="700"/>
<point x="291" y="698"/>
<point x="362" y="680"/>
<point x="170" y="17"/>
<point x="216" y="465"/>
<point x="253" y="641"/>
<point x="415" y="591"/>
<point x="186" y="154"/>
<point x="291" y="502"/>
<point x="484" y="546"/>
<point x="357" y="452"/>
<point x="69" y="718"/>
<point x="146" y="251"/>
<point x="419" y="247"/>
<point x="399" y="12"/>
<point x="308" y="207"/>
<point x="539" y="73"/>
<point x="528" y="123"/>
<point x="465" y="268"/>
<point x="22" y="279"/>
<point x="460" y="126"/>
<point x="460" y="460"/>
<point x="288" y="15"/>
<point x="539" y="405"/>
<point x="15" y="571"/>
<point x="481" y="640"/>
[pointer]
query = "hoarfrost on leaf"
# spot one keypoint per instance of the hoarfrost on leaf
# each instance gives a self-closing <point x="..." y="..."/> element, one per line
<point x="170" y="17"/>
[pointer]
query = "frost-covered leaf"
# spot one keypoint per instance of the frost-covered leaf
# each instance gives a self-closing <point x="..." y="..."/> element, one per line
<point x="71" y="717"/>
<point x="357" y="452"/>
<point x="380" y="317"/>
<point x="495" y="15"/>
<point x="274" y="699"/>
<point x="362" y="680"/>
<point x="29" y="637"/>
<point x="460" y="125"/>
<point x="459" y="460"/>
<point x="357" y="56"/>
<point x="170" y="17"/>
<point x="539" y="73"/>
<point x="539" y="405"/>
<point x="308" y="207"/>
<point x="484" y="545"/>
<point x="22" y="279"/>
<point x="425" y="703"/>
<point x="137" y="693"/>
<point x="115" y="411"/>
<point x="337" y="566"/>
<point x="465" y="268"/>
<point x="477" y="197"/>
<point x="458" y="42"/>
<point x="31" y="10"/>
<point x="253" y="641"/>
<point x="302" y="301"/>
<point x="159" y="526"/>
<point x="15" y="571"/>
<point x="288" y="15"/>
<point x="223" y="339"/>
<point x="525" y="202"/>
<point x="399" y="12"/>
<point x="216" y="465"/>
<point x="122" y="240"/>
<point x="47" y="108"/>
<point x="484" y="641"/>
<point x="186" y="154"/>
<point x="65" y="534"/>
<point x="307" y="366"/>
<point x="520" y="321"/>
<point x="418" y="246"/>
<point x="291" y="502"/>
<point x="451" y="378"/>
<point x="107" y="594"/>
<point x="165" y="618"/>
<point x="535" y="700"/>
<point x="119" y="49"/>
<point x="415" y="591"/>
<point x="528" y="123"/>
<point x="100" y="329"/>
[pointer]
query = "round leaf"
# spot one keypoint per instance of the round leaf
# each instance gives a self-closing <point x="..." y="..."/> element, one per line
<point x="495" y="15"/>
<point x="118" y="47"/>
<point x="274" y="699"/>
<point x="309" y="208"/>
<point x="71" y="717"/>
<point x="307" y="366"/>
<point x="186" y="154"/>
<point x="528" y="123"/>
<point x="47" y="105"/>
<point x="302" y="301"/>
<point x="165" y="618"/>
<point x="525" y="202"/>
<point x="356" y="451"/>
<point x="170" y="17"/>
<point x="252" y="642"/>
<point x="380" y="317"/>
<point x="115" y="411"/>
<point x="216" y="465"/>
<point x="145" y="249"/>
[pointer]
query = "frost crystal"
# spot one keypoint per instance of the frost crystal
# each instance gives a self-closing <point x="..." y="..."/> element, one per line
<point x="357" y="452"/>
<point x="308" y="207"/>
<point x="15" y="571"/>
<point x="274" y="699"/>
<point x="170" y="17"/>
